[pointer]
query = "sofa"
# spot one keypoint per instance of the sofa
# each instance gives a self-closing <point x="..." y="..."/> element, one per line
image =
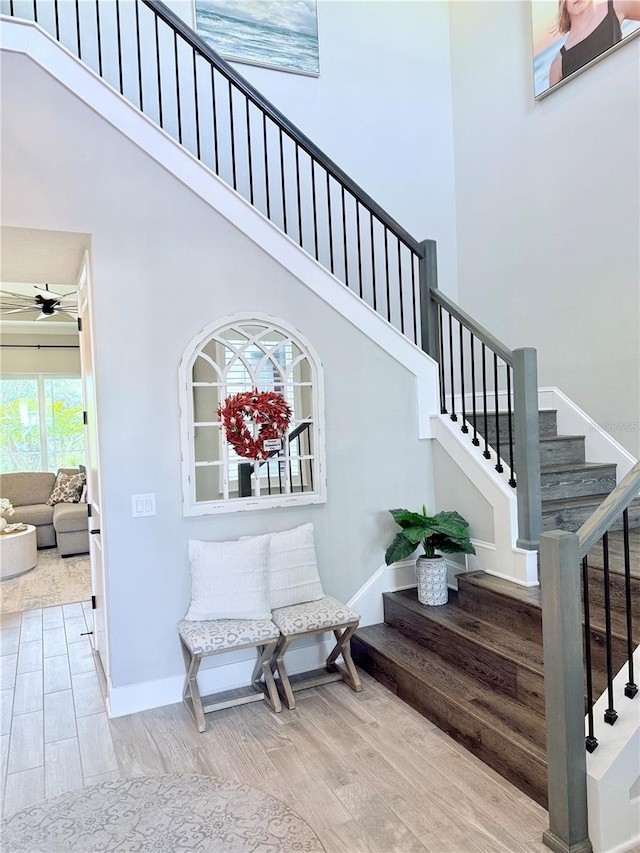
<point x="63" y="524"/>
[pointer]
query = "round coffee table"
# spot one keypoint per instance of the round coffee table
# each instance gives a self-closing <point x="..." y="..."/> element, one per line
<point x="18" y="552"/>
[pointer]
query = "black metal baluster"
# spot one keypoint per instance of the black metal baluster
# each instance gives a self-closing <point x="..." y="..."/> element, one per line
<point x="178" y="105"/>
<point x="268" y="476"/>
<point x="196" y="102"/>
<point x="78" y="29"/>
<point x="512" y="479"/>
<point x="330" y="221"/>
<point x="300" y="464"/>
<point x="315" y="207"/>
<point x="344" y="240"/>
<point x="400" y="285"/>
<point x="631" y="688"/>
<point x="359" y="248"/>
<point x="35" y="11"/>
<point x="280" y="464"/>
<point x="373" y="265"/>
<point x="298" y="196"/>
<point x="11" y="7"/>
<point x="610" y="715"/>
<point x="309" y="454"/>
<point x="443" y="395"/>
<point x="57" y="16"/>
<point x="249" y="156"/>
<point x="499" y="467"/>
<point x="233" y="138"/>
<point x="486" y="452"/>
<point x="284" y="196"/>
<point x="475" y="440"/>
<point x="453" y="414"/>
<point x="590" y="740"/>
<point x="464" y="427"/>
<point x="159" y="74"/>
<point x="414" y="297"/>
<point x="215" y="122"/>
<point x="119" y="41"/>
<point x="137" y="4"/>
<point x="386" y="271"/>
<point x="266" y="165"/>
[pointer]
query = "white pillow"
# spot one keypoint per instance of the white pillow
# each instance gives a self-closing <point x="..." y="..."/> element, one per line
<point x="293" y="569"/>
<point x="229" y="580"/>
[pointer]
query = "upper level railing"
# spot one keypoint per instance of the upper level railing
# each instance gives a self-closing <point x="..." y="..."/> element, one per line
<point x="149" y="55"/>
<point x="568" y="628"/>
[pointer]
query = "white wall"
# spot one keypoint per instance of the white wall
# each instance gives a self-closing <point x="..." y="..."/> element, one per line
<point x="381" y="109"/>
<point x="548" y="210"/>
<point x="152" y="238"/>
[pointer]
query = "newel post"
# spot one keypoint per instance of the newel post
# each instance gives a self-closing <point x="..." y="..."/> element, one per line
<point x="564" y="693"/>
<point x="527" y="447"/>
<point x="428" y="275"/>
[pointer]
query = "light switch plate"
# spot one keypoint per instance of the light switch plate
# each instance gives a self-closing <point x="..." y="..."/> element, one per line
<point x="143" y="505"/>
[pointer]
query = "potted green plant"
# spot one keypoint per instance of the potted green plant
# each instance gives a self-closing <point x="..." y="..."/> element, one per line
<point x="445" y="532"/>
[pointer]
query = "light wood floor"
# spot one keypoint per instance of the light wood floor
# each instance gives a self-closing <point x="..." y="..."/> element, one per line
<point x="368" y="773"/>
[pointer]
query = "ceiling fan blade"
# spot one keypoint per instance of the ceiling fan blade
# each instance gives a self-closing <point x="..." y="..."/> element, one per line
<point x="16" y="310"/>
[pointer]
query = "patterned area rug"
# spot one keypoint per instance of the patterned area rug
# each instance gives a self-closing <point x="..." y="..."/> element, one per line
<point x="53" y="581"/>
<point x="161" y="814"/>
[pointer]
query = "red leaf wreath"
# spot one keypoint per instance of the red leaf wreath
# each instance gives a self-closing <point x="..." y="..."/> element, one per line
<point x="268" y="408"/>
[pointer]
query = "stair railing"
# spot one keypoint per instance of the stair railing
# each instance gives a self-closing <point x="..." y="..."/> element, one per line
<point x="564" y="611"/>
<point x="491" y="391"/>
<point x="248" y="469"/>
<point x="149" y="55"/>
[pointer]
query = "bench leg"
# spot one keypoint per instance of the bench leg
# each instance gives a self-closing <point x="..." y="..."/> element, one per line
<point x="190" y="693"/>
<point x="262" y="678"/>
<point x="343" y="647"/>
<point x="278" y="663"/>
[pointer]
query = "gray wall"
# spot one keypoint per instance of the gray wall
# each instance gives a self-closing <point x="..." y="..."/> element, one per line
<point x="547" y="198"/>
<point x="151" y="237"/>
<point x="453" y="491"/>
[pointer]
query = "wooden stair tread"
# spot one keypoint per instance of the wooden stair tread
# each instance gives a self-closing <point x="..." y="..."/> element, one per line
<point x="527" y="594"/>
<point x="500" y="640"/>
<point x="568" y="467"/>
<point x="521" y="725"/>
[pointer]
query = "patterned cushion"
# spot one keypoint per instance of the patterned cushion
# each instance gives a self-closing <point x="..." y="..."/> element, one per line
<point x="313" y="616"/>
<point x="218" y="634"/>
<point x="67" y="489"/>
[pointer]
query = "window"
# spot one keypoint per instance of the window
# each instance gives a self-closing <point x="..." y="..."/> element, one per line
<point x="240" y="354"/>
<point x="41" y="424"/>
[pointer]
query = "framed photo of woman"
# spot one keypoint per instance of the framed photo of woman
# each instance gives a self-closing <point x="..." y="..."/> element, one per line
<point x="570" y="35"/>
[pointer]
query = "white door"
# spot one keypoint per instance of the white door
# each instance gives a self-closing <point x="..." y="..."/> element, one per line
<point x="94" y="495"/>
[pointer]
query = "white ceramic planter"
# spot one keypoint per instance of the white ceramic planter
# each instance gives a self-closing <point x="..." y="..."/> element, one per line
<point x="431" y="574"/>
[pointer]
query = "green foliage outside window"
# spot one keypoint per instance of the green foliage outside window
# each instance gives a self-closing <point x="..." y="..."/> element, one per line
<point x="41" y="426"/>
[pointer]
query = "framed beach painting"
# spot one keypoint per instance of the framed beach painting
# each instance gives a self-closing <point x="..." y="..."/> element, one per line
<point x="280" y="34"/>
<point x="570" y="35"/>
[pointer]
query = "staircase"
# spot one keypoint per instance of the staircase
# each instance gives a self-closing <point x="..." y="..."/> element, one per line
<point x="474" y="666"/>
<point x="572" y="488"/>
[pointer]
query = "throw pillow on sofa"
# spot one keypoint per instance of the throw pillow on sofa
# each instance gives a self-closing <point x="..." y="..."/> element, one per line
<point x="67" y="489"/>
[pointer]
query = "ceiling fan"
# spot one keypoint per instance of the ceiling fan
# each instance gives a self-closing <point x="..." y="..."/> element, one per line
<point x="50" y="304"/>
